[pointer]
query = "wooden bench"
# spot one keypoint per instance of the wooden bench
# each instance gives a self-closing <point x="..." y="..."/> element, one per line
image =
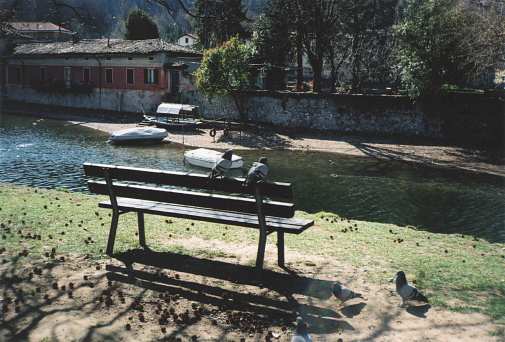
<point x="204" y="205"/>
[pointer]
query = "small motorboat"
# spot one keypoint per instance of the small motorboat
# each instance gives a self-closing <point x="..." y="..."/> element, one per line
<point x="138" y="135"/>
<point x="206" y="158"/>
<point x="174" y="116"/>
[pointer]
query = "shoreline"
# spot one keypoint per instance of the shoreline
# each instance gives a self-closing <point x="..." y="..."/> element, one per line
<point x="399" y="149"/>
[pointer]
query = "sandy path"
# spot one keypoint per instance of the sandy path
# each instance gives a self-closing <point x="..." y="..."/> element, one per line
<point x="449" y="156"/>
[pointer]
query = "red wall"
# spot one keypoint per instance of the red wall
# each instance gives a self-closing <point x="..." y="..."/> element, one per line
<point x="31" y="74"/>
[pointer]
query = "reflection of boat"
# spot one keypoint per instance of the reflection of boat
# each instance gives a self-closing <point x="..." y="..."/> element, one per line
<point x="138" y="135"/>
<point x="175" y="116"/>
<point x="206" y="158"/>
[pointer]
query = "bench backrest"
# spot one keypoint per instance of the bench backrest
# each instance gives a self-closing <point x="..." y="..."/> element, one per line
<point x="192" y="181"/>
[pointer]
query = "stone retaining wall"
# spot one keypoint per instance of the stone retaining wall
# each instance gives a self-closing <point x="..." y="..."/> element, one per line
<point x="460" y="118"/>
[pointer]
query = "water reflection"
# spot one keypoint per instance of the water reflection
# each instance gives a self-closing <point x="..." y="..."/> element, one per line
<point x="49" y="154"/>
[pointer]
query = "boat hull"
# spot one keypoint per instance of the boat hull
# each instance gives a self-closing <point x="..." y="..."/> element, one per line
<point x="136" y="135"/>
<point x="206" y="158"/>
<point x="173" y="124"/>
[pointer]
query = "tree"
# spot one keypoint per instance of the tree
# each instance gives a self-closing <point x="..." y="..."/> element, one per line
<point x="316" y="22"/>
<point x="220" y="20"/>
<point x="482" y="37"/>
<point x="274" y="44"/>
<point x="140" y="26"/>
<point x="428" y="45"/>
<point x="225" y="71"/>
<point x="365" y="38"/>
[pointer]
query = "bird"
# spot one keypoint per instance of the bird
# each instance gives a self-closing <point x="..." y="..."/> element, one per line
<point x="300" y="334"/>
<point x="407" y="291"/>
<point x="257" y="172"/>
<point x="221" y="165"/>
<point x="343" y="293"/>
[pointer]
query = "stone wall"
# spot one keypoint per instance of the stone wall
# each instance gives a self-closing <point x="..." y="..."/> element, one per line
<point x="459" y="118"/>
<point x="110" y="100"/>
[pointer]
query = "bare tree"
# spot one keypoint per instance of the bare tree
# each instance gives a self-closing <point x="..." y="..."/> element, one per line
<point x="482" y="36"/>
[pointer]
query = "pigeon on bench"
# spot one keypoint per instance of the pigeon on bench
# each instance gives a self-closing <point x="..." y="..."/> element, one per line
<point x="300" y="334"/>
<point x="257" y="172"/>
<point x="221" y="165"/>
<point x="343" y="294"/>
<point x="407" y="291"/>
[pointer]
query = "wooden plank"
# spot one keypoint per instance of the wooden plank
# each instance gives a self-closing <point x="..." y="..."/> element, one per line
<point x="288" y="225"/>
<point x="220" y="202"/>
<point x="189" y="180"/>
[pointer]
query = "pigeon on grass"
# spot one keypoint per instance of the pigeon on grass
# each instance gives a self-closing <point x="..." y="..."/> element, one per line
<point x="221" y="165"/>
<point x="300" y="334"/>
<point x="407" y="291"/>
<point x="257" y="172"/>
<point x="343" y="294"/>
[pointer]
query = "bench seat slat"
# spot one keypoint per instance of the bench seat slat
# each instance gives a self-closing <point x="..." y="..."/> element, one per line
<point x="289" y="225"/>
<point x="196" y="199"/>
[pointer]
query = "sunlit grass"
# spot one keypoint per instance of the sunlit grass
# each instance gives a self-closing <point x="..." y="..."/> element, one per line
<point x="458" y="272"/>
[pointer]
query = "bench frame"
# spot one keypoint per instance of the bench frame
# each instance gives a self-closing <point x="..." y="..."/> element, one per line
<point x="233" y="210"/>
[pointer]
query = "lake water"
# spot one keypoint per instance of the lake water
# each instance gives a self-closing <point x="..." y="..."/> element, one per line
<point x="49" y="154"/>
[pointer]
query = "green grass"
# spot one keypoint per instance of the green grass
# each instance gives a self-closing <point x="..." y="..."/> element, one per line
<point x="460" y="273"/>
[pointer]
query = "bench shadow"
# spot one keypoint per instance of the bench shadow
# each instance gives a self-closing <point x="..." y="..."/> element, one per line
<point x="283" y="287"/>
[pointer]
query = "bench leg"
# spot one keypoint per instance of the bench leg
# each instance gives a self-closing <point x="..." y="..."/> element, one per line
<point x="280" y="248"/>
<point x="112" y="233"/>
<point x="261" y="254"/>
<point x="142" y="232"/>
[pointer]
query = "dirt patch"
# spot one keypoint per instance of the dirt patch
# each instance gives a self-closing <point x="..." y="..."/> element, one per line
<point x="153" y="296"/>
<point x="440" y="155"/>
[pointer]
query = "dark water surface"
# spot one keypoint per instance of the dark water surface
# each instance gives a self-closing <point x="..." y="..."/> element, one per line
<point x="49" y="154"/>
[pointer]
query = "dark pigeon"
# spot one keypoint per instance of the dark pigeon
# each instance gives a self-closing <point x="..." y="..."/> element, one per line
<point x="407" y="291"/>
<point x="343" y="294"/>
<point x="257" y="172"/>
<point x="221" y="165"/>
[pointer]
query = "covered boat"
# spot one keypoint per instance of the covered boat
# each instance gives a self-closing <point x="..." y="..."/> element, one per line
<point x="206" y="158"/>
<point x="175" y="116"/>
<point x="138" y="135"/>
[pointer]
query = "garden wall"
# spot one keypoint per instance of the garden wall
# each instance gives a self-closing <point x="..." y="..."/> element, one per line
<point x="475" y="119"/>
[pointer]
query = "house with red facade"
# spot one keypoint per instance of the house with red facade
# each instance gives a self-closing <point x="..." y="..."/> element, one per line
<point x="109" y="74"/>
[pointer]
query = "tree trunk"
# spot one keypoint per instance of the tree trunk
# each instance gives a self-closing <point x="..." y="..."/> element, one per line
<point x="299" y="62"/>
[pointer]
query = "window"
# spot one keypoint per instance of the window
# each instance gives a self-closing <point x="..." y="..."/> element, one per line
<point x="109" y="58"/>
<point x="130" y="58"/>
<point x="86" y="58"/>
<point x="66" y="74"/>
<point x="129" y="76"/>
<point x="85" y="75"/>
<point x="108" y="75"/>
<point x="151" y="58"/>
<point x="151" y="76"/>
<point x="18" y="73"/>
<point x="187" y="40"/>
<point x="42" y="73"/>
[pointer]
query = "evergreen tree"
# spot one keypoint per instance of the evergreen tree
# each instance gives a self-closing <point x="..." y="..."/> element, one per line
<point x="140" y="26"/>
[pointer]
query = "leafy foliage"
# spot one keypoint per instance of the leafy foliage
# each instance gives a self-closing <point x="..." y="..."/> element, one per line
<point x="140" y="26"/>
<point x="427" y="54"/>
<point x="225" y="71"/>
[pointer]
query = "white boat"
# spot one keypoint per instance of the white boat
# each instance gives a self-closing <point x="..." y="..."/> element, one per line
<point x="174" y="116"/>
<point x="138" y="135"/>
<point x="206" y="158"/>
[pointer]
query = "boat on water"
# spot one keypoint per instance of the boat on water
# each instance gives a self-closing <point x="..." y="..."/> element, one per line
<point x="138" y="135"/>
<point x="175" y="116"/>
<point x="206" y="158"/>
